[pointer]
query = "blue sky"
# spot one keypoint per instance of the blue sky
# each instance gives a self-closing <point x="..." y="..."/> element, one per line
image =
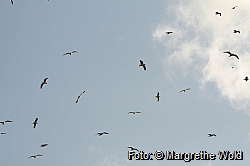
<point x="111" y="37"/>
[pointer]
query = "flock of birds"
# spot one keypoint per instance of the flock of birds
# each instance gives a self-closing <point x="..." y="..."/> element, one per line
<point x="141" y="64"/>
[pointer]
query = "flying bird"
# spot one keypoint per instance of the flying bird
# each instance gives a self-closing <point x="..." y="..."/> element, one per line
<point x="142" y="64"/>
<point x="168" y="32"/>
<point x="12" y="2"/>
<point x="236" y="31"/>
<point x="246" y="78"/>
<point x="231" y="54"/>
<point x="134" y="112"/>
<point x="234" y="7"/>
<point x="44" y="82"/>
<point x="35" y="156"/>
<point x="158" y="96"/>
<point x="132" y="148"/>
<point x="211" y="135"/>
<point x="218" y="13"/>
<point x="7" y="121"/>
<point x="2" y="133"/>
<point x="99" y="134"/>
<point x="44" y="145"/>
<point x="184" y="90"/>
<point x="35" y="123"/>
<point x="70" y="53"/>
<point x="78" y="97"/>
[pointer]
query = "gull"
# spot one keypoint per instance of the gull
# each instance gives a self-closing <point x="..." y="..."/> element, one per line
<point x="4" y="122"/>
<point x="134" y="112"/>
<point x="218" y="13"/>
<point x="184" y="90"/>
<point x="211" y="135"/>
<point x="78" y="97"/>
<point x="44" y="82"/>
<point x="2" y="133"/>
<point x="43" y="145"/>
<point x="158" y="96"/>
<point x="132" y="148"/>
<point x="236" y="31"/>
<point x="12" y="2"/>
<point x="246" y="78"/>
<point x="231" y="54"/>
<point x="99" y="134"/>
<point x="142" y="64"/>
<point x="234" y="7"/>
<point x="70" y="53"/>
<point x="168" y="32"/>
<point x="35" y="156"/>
<point x="35" y="123"/>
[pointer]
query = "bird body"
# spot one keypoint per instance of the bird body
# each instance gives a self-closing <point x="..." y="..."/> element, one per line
<point x="211" y="135"/>
<point x="234" y="7"/>
<point x="246" y="78"/>
<point x="231" y="54"/>
<point x="78" y="97"/>
<point x="44" y="82"/>
<point x="2" y="133"/>
<point x="142" y="64"/>
<point x="218" y="13"/>
<point x="184" y="90"/>
<point x="99" y="134"/>
<point x="44" y="145"/>
<point x="35" y="123"/>
<point x="169" y="32"/>
<point x="70" y="53"/>
<point x="236" y="31"/>
<point x="134" y="112"/>
<point x="158" y="96"/>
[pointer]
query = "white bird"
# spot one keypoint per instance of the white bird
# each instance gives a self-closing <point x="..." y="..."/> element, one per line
<point x="44" y="82"/>
<point x="184" y="90"/>
<point x="78" y="97"/>
<point x="142" y="64"/>
<point x="70" y="53"/>
<point x="99" y="134"/>
<point x="35" y="123"/>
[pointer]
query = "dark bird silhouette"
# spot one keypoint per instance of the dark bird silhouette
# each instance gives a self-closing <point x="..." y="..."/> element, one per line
<point x="132" y="148"/>
<point x="158" y="96"/>
<point x="184" y="90"/>
<point x="44" y="145"/>
<point x="70" y="53"/>
<point x="169" y="33"/>
<point x="2" y="133"/>
<point x="231" y="54"/>
<point x="142" y="64"/>
<point x="12" y="2"/>
<point x="35" y="156"/>
<point x="7" y="121"/>
<point x="218" y="13"/>
<point x="78" y="97"/>
<point x="44" y="82"/>
<point x="137" y="112"/>
<point x="236" y="31"/>
<point x="99" y="134"/>
<point x="211" y="135"/>
<point x="246" y="78"/>
<point x="35" y="123"/>
<point x="234" y="7"/>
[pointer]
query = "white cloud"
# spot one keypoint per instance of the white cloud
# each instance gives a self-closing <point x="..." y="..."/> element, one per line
<point x="200" y="37"/>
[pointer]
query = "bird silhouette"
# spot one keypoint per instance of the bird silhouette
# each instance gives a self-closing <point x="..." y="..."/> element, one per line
<point x="231" y="54"/>
<point x="236" y="31"/>
<point x="35" y="123"/>
<point x="142" y="64"/>
<point x="35" y="156"/>
<point x="44" y="82"/>
<point x="211" y="135"/>
<point x="78" y="97"/>
<point x="99" y="134"/>
<point x="7" y="121"/>
<point x="218" y="13"/>
<point x="158" y="96"/>
<point x="12" y="2"/>
<point x="184" y="90"/>
<point x="70" y="53"/>
<point x="44" y="145"/>
<point x="137" y="112"/>
<point x="2" y="133"/>
<point x="246" y="78"/>
<point x="132" y="148"/>
<point x="168" y="32"/>
<point x="234" y="7"/>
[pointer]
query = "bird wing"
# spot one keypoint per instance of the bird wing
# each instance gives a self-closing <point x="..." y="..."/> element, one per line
<point x="74" y="52"/>
<point x="45" y="79"/>
<point x="8" y="121"/>
<point x="77" y="99"/>
<point x="188" y="88"/>
<point x="144" y="67"/>
<point x="228" y="52"/>
<point x="182" y="91"/>
<point x="236" y="56"/>
<point x="82" y="92"/>
<point x="41" y="85"/>
<point x="141" y="62"/>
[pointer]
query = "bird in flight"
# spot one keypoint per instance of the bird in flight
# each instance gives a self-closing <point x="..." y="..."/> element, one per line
<point x="35" y="156"/>
<point x="44" y="82"/>
<point x="4" y="122"/>
<point x="236" y="31"/>
<point x="12" y="2"/>
<point x="35" y="123"/>
<point x="132" y="148"/>
<point x="231" y="54"/>
<point x="99" y="134"/>
<point x="78" y="97"/>
<point x="134" y="112"/>
<point x="142" y="64"/>
<point x="70" y="53"/>
<point x="218" y="13"/>
<point x="2" y="133"/>
<point x="246" y="78"/>
<point x="211" y="135"/>
<point x="184" y="90"/>
<point x="168" y="32"/>
<point x="158" y="96"/>
<point x="44" y="145"/>
<point x="234" y="7"/>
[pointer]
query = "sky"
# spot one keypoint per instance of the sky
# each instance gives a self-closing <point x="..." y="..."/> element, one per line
<point x="111" y="37"/>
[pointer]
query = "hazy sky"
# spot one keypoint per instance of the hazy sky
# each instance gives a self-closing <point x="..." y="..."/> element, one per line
<point x="111" y="37"/>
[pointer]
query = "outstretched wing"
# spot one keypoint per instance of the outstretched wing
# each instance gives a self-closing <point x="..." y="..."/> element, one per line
<point x="144" y="67"/>
<point x="228" y="52"/>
